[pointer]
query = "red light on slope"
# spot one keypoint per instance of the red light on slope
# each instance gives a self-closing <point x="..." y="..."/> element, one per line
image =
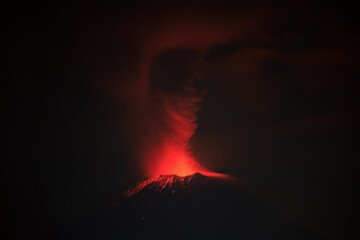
<point x="173" y="181"/>
<point x="159" y="183"/>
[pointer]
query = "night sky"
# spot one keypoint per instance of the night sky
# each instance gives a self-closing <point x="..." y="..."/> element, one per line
<point x="280" y="106"/>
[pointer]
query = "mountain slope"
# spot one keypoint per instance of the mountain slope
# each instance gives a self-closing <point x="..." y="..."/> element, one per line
<point x="194" y="207"/>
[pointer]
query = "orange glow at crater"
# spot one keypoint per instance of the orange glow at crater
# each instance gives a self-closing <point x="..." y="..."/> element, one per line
<point x="176" y="161"/>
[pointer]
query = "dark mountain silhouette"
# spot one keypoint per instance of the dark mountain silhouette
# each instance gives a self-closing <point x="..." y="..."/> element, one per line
<point x="202" y="208"/>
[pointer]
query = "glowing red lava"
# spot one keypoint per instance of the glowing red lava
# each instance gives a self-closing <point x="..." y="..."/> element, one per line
<point x="159" y="183"/>
<point x="162" y="182"/>
<point x="175" y="167"/>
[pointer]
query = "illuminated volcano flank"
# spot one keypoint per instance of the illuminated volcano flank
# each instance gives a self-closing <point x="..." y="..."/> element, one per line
<point x="160" y="183"/>
<point x="171" y="182"/>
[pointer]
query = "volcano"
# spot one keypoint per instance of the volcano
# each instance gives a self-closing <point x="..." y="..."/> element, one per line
<point x="190" y="207"/>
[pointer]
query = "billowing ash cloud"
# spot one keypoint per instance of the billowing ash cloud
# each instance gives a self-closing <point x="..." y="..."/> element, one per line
<point x="163" y="120"/>
<point x="165" y="95"/>
<point x="175" y="96"/>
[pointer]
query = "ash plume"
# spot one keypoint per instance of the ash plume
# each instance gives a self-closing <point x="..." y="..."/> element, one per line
<point x="173" y="101"/>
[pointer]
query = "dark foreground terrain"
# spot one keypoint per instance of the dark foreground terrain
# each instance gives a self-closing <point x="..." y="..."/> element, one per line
<point x="207" y="208"/>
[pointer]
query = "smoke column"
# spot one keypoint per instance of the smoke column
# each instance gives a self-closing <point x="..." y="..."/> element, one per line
<point x="165" y="93"/>
<point x="174" y="99"/>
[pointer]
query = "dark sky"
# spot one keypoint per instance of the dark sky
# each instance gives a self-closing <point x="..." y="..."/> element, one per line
<point x="281" y="109"/>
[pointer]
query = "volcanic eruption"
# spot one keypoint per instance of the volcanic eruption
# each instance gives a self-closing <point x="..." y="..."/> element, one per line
<point x="175" y="97"/>
<point x="177" y="198"/>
